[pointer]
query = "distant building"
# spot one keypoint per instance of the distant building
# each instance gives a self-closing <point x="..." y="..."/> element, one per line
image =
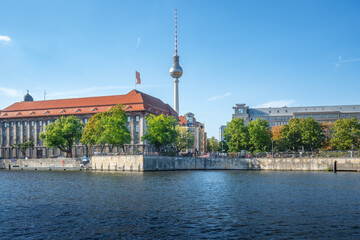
<point x="198" y="130"/>
<point x="282" y="115"/>
<point x="26" y="119"/>
<point x="221" y="132"/>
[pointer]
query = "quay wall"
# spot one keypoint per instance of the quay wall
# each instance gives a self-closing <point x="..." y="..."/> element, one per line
<point x="155" y="163"/>
<point x="42" y="164"/>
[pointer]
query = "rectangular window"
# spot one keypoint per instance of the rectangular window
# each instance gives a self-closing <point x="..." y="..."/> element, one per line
<point x="240" y="110"/>
<point x="25" y="124"/>
<point x="11" y="124"/>
<point x="5" y="124"/>
<point x="32" y="123"/>
<point x="316" y="116"/>
<point x="137" y="118"/>
<point x="324" y="115"/>
<point x="137" y="128"/>
<point x="40" y="122"/>
<point x="18" y="124"/>
<point x="129" y="118"/>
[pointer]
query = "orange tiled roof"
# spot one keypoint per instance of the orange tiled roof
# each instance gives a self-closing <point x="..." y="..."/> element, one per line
<point x="183" y="121"/>
<point x="133" y="101"/>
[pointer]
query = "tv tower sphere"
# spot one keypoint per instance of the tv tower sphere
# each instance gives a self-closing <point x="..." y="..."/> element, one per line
<point x="175" y="70"/>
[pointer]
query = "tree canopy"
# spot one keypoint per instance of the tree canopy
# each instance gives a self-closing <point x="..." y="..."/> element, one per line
<point x="184" y="139"/>
<point x="259" y="136"/>
<point x="346" y="134"/>
<point x="212" y="144"/>
<point x="161" y="130"/>
<point x="107" y="128"/>
<point x="26" y="144"/>
<point x="236" y="135"/>
<point x="62" y="134"/>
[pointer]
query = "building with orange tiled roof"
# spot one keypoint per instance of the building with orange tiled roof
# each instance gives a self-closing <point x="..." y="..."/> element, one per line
<point x="189" y="122"/>
<point x="26" y="119"/>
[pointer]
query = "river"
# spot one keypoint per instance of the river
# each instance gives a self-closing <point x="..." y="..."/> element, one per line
<point x="181" y="205"/>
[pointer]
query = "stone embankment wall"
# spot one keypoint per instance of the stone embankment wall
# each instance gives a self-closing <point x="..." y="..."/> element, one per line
<point x="153" y="163"/>
<point x="42" y="164"/>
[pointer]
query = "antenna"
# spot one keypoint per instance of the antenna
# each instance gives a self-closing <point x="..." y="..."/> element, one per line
<point x="175" y="31"/>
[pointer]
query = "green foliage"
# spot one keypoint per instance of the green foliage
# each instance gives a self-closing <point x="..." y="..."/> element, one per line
<point x="312" y="135"/>
<point x="259" y="136"/>
<point x="24" y="145"/>
<point x="184" y="139"/>
<point x="115" y="133"/>
<point x="107" y="128"/>
<point x="346" y="134"/>
<point x="300" y="133"/>
<point x="212" y="144"/>
<point x="62" y="134"/>
<point x="223" y="147"/>
<point x="161" y="130"/>
<point x="236" y="135"/>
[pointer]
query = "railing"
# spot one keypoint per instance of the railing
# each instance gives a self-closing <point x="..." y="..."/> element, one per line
<point x="314" y="154"/>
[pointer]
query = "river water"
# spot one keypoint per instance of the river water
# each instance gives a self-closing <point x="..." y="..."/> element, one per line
<point x="181" y="205"/>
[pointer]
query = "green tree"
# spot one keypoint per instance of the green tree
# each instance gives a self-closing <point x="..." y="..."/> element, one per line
<point x="236" y="135"/>
<point x="259" y="136"/>
<point x="107" y="128"/>
<point x="62" y="134"/>
<point x="184" y="139"/>
<point x="291" y="135"/>
<point x="223" y="147"/>
<point x="116" y="133"/>
<point x="312" y="135"/>
<point x="161" y="131"/>
<point x="26" y="144"/>
<point x="92" y="132"/>
<point x="212" y="144"/>
<point x="346" y="134"/>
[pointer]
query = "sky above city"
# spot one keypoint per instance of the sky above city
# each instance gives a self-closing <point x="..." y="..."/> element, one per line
<point x="262" y="53"/>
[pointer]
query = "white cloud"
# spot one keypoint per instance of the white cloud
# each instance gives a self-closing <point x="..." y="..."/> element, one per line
<point x="10" y="92"/>
<point x="5" y="38"/>
<point x="138" y="43"/>
<point x="278" y="103"/>
<point x="219" y="97"/>
<point x="341" y="60"/>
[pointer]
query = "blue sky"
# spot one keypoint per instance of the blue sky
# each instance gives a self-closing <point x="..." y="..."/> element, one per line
<point x="262" y="53"/>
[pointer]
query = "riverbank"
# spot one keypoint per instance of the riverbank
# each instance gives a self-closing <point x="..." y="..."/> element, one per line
<point x="42" y="164"/>
<point x="154" y="163"/>
<point x="142" y="163"/>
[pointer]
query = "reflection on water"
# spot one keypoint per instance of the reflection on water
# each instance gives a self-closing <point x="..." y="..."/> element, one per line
<point x="184" y="204"/>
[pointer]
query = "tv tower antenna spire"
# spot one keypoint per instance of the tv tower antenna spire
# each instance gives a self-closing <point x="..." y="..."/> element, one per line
<point x="175" y="70"/>
<point x="175" y="32"/>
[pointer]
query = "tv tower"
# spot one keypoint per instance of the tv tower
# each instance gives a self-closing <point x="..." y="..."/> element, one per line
<point x="176" y="71"/>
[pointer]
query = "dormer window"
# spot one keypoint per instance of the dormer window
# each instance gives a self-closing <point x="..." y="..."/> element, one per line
<point x="18" y="114"/>
<point x="4" y="115"/>
<point x="128" y="107"/>
<point x="62" y="111"/>
<point x="77" y="110"/>
<point x="32" y="113"/>
<point x="94" y="109"/>
<point x="46" y="112"/>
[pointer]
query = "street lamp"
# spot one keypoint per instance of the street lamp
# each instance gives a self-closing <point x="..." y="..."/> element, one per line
<point x="272" y="149"/>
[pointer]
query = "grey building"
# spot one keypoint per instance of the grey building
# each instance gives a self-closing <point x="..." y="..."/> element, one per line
<point x="282" y="115"/>
<point x="221" y="132"/>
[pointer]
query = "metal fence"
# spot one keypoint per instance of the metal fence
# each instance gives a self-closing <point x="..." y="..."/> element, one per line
<point x="317" y="154"/>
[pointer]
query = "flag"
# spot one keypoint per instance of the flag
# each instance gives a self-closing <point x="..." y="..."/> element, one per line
<point x="137" y="75"/>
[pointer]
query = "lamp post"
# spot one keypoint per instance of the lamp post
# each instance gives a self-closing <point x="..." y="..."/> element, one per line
<point x="272" y="149"/>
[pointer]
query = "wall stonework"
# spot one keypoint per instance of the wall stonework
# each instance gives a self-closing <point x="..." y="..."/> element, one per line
<point x="153" y="163"/>
<point x="42" y="164"/>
